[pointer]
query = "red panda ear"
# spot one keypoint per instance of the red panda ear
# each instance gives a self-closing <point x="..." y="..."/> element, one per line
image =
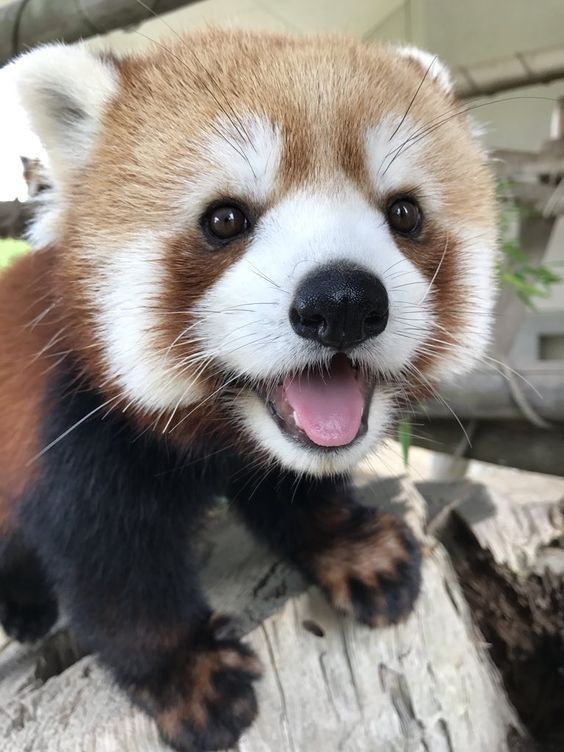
<point x="430" y="65"/>
<point x="65" y="90"/>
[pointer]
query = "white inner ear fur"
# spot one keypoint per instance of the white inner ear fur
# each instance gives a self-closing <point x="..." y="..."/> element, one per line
<point x="436" y="70"/>
<point x="65" y="90"/>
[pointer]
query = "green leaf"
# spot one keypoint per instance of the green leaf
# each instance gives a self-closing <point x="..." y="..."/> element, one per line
<point x="10" y="248"/>
<point x="512" y="249"/>
<point x="404" y="438"/>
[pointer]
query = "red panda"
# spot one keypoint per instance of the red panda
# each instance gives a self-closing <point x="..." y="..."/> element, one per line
<point x="256" y="250"/>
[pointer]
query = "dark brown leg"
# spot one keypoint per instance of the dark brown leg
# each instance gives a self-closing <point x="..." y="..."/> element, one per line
<point x="367" y="562"/>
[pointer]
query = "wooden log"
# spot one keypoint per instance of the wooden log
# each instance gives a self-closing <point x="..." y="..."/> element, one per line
<point x="329" y="684"/>
<point x="509" y="556"/>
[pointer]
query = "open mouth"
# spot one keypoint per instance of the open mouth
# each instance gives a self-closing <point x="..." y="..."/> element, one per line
<point x="323" y="406"/>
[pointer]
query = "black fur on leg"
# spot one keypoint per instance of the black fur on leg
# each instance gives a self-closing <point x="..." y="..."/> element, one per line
<point x="111" y="518"/>
<point x="368" y="563"/>
<point x="28" y="608"/>
<point x="202" y="697"/>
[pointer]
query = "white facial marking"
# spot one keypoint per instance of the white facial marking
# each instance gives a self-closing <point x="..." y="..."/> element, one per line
<point x="242" y="160"/>
<point x="129" y="296"/>
<point x="396" y="164"/>
<point x="244" y="316"/>
<point x="247" y="154"/>
<point x="477" y="260"/>
<point x="301" y="233"/>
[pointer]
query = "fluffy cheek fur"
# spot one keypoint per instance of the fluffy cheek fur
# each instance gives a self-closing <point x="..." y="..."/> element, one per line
<point x="241" y="321"/>
<point x="461" y="269"/>
<point x="462" y="335"/>
<point x="440" y="302"/>
<point x="127" y="296"/>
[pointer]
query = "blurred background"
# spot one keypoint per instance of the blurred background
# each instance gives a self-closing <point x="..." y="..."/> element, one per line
<point x="507" y="59"/>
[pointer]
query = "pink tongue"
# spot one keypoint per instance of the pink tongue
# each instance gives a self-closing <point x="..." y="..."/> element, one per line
<point x="328" y="406"/>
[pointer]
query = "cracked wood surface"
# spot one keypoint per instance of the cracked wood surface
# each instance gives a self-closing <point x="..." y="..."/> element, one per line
<point x="329" y="686"/>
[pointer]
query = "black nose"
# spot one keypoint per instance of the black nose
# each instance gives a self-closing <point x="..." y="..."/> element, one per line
<point x="340" y="306"/>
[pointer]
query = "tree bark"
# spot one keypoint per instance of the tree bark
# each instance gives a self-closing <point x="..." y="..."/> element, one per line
<point x="509" y="557"/>
<point x="426" y="686"/>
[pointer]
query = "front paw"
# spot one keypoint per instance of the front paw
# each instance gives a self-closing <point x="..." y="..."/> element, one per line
<point x="208" y="699"/>
<point x="368" y="565"/>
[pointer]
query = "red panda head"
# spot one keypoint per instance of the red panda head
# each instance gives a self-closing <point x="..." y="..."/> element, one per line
<point x="289" y="234"/>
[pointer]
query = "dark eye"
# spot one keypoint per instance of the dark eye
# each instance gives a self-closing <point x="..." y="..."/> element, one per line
<point x="404" y="216"/>
<point x="225" y="222"/>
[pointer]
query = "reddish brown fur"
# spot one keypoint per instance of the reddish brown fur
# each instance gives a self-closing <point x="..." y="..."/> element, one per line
<point x="192" y="698"/>
<point x="153" y="145"/>
<point x="25" y="294"/>
<point x="439" y="253"/>
<point x="349" y="550"/>
<point x="324" y="92"/>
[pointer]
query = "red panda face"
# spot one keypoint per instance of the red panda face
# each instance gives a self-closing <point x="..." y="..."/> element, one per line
<point x="291" y="234"/>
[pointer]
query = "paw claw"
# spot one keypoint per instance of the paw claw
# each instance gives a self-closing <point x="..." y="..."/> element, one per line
<point x="225" y="627"/>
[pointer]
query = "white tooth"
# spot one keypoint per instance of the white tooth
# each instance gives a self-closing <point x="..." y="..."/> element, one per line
<point x="296" y="419"/>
